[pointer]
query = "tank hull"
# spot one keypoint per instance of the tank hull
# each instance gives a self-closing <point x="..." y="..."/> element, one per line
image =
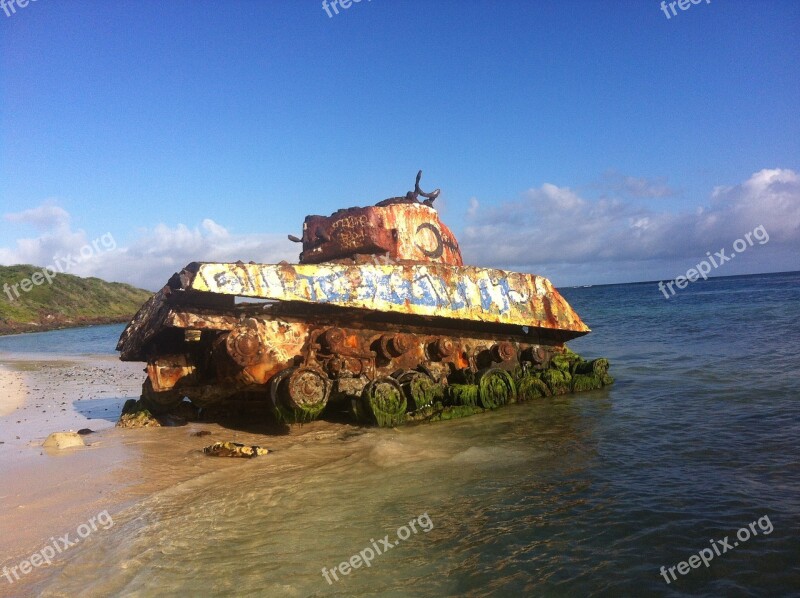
<point x="340" y="336"/>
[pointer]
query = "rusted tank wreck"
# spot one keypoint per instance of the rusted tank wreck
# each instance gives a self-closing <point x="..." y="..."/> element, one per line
<point x="380" y="318"/>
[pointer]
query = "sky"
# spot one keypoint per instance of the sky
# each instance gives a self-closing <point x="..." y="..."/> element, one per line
<point x="588" y="141"/>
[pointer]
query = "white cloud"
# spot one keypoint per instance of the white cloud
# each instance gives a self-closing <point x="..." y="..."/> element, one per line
<point x="45" y="217"/>
<point x="553" y="228"/>
<point x="155" y="254"/>
<point x="150" y="259"/>
<point x="472" y="210"/>
<point x="615" y="183"/>
<point x="57" y="236"/>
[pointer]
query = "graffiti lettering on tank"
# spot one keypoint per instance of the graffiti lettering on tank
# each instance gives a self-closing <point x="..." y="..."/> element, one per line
<point x="229" y="282"/>
<point x="271" y="281"/>
<point x="350" y="231"/>
<point x="426" y="290"/>
<point x="494" y="293"/>
<point x="450" y="243"/>
<point x="432" y="242"/>
<point x="328" y="288"/>
<point x="377" y="287"/>
<point x="430" y="289"/>
<point x="350" y="222"/>
<point x="437" y="251"/>
<point x="350" y="238"/>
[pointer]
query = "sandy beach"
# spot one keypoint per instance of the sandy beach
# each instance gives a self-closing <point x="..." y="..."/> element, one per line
<point x="47" y="492"/>
<point x="44" y="490"/>
<point x="13" y="390"/>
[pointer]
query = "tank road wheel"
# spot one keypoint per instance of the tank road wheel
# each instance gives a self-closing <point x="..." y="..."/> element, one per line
<point x="496" y="388"/>
<point x="385" y="401"/>
<point x="418" y="387"/>
<point x="299" y="394"/>
<point x="159" y="402"/>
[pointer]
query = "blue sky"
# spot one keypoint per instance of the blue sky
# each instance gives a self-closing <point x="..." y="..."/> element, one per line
<point x="588" y="141"/>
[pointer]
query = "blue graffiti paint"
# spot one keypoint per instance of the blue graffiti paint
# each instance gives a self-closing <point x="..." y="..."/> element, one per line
<point x="486" y="298"/>
<point x="423" y="292"/>
<point x="400" y="291"/>
<point x="309" y="283"/>
<point x="334" y="287"/>
<point x="459" y="297"/>
<point x="503" y="284"/>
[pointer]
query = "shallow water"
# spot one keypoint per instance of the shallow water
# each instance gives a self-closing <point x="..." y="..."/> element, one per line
<point x="89" y="340"/>
<point x="589" y="494"/>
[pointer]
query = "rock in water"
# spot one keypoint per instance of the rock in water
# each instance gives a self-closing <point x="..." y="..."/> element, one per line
<point x="234" y="449"/>
<point x="135" y="415"/>
<point x="62" y="440"/>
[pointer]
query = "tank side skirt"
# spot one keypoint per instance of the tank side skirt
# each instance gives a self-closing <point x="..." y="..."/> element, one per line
<point x="466" y="293"/>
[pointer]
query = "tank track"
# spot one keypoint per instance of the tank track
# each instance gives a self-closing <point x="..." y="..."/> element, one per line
<point x="380" y="372"/>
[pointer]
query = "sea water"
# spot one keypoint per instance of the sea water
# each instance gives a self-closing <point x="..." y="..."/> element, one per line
<point x="88" y="340"/>
<point x="581" y="495"/>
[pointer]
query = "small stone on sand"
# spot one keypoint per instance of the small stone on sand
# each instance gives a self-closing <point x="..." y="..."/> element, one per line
<point x="62" y="440"/>
<point x="234" y="449"/>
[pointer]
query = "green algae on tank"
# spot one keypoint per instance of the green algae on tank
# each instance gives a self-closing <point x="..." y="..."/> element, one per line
<point x="386" y="402"/>
<point x="530" y="387"/>
<point x="463" y="400"/>
<point x="462" y="394"/>
<point x="420" y="389"/>
<point x="496" y="388"/>
<point x="441" y="412"/>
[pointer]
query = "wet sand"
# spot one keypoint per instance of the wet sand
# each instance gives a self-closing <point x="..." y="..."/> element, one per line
<point x="47" y="493"/>
<point x="45" y="490"/>
<point x="12" y="390"/>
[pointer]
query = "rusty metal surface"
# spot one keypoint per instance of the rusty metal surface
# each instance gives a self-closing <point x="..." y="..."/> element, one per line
<point x="169" y="370"/>
<point x="299" y="356"/>
<point x="144" y="325"/>
<point x="465" y="293"/>
<point x="278" y="342"/>
<point x="158" y="312"/>
<point x="400" y="230"/>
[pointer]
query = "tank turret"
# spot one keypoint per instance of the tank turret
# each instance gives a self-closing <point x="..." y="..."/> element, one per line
<point x="395" y="229"/>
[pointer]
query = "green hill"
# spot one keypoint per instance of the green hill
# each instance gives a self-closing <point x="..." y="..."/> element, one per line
<point x="64" y="301"/>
